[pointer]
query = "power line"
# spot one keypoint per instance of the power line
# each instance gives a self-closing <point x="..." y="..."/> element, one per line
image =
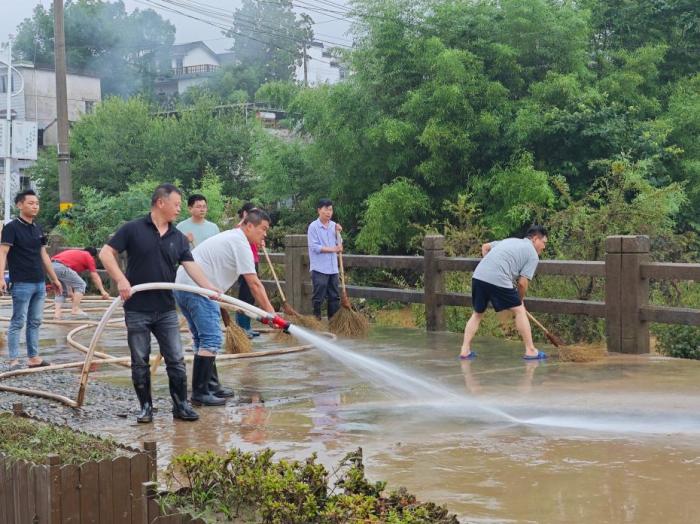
<point x="236" y="17"/>
<point x="227" y="29"/>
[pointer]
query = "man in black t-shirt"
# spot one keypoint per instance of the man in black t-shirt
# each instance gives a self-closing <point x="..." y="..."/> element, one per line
<point x="23" y="250"/>
<point x="155" y="248"/>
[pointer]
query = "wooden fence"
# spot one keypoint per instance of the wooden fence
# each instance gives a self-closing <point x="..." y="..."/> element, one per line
<point x="626" y="271"/>
<point x="109" y="491"/>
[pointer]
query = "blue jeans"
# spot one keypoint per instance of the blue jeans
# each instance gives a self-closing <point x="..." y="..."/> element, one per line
<point x="27" y="306"/>
<point x="202" y="315"/>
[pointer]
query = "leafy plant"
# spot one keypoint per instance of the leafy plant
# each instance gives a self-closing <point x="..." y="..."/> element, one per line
<point x="251" y="487"/>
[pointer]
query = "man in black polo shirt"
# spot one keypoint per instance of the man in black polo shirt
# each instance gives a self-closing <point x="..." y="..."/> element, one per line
<point x="23" y="249"/>
<point x="154" y="248"/>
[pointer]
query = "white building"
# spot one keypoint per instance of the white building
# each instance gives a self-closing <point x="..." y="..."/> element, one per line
<point x="37" y="102"/>
<point x="322" y="66"/>
<point x="191" y="64"/>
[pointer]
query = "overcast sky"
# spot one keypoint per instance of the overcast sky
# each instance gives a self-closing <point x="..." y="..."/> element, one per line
<point x="12" y="12"/>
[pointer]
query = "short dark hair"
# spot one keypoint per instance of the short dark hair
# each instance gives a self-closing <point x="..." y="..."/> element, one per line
<point x="195" y="198"/>
<point x="91" y="250"/>
<point x="324" y="202"/>
<point x="246" y="208"/>
<point x="163" y="191"/>
<point x="256" y="216"/>
<point x="536" y="231"/>
<point x="19" y="197"/>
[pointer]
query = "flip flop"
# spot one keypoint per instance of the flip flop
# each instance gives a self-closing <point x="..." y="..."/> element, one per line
<point x="541" y="355"/>
<point x="470" y="356"/>
<point x="42" y="364"/>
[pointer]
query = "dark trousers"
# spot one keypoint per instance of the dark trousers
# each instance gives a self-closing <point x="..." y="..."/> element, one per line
<point x="165" y="327"/>
<point x="325" y="287"/>
<point x="244" y="293"/>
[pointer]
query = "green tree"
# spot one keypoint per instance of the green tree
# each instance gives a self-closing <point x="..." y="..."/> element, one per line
<point x="269" y="38"/>
<point x="102" y="39"/>
<point x="389" y="222"/>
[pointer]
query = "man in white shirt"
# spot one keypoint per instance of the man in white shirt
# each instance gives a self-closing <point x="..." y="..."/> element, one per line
<point x="223" y="257"/>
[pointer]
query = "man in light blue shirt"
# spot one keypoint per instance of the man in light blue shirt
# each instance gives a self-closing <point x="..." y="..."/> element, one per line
<point x="196" y="228"/>
<point x="502" y="278"/>
<point x="324" y="246"/>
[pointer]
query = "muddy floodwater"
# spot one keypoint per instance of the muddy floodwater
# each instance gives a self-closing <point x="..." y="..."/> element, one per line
<point x="614" y="441"/>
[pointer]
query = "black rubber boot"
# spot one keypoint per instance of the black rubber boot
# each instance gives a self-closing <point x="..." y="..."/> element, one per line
<point x="142" y="385"/>
<point x="215" y="387"/>
<point x="181" y="408"/>
<point x="201" y="375"/>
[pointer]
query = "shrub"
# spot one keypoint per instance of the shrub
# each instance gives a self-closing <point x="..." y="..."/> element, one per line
<point x="679" y="341"/>
<point x="251" y="487"/>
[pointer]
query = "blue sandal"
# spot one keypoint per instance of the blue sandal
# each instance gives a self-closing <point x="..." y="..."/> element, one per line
<point x="541" y="355"/>
<point x="470" y="356"/>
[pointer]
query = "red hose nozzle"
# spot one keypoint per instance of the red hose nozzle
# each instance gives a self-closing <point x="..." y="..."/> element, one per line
<point x="276" y="321"/>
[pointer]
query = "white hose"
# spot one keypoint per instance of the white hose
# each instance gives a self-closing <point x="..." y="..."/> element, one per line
<point x="253" y="312"/>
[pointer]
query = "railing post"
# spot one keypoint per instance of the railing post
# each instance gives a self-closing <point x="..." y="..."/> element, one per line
<point x="151" y="449"/>
<point x="296" y="272"/>
<point x="625" y="293"/>
<point x="433" y="247"/>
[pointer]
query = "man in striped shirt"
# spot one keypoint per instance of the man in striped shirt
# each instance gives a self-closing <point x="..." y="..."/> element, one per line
<point x="324" y="246"/>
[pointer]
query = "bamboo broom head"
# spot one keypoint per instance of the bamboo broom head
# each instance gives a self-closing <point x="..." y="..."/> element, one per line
<point x="236" y="340"/>
<point x="582" y="353"/>
<point x="349" y="323"/>
<point x="306" y="321"/>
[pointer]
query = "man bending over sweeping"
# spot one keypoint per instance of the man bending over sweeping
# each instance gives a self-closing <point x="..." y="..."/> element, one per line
<point x="67" y="265"/>
<point x="224" y="258"/>
<point x="502" y="278"/>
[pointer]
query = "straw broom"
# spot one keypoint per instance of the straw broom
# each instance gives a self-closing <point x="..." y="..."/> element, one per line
<point x="579" y="353"/>
<point x="347" y="322"/>
<point x="236" y="340"/>
<point x="292" y="315"/>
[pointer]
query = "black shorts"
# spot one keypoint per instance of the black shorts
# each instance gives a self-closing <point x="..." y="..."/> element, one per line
<point x="500" y="297"/>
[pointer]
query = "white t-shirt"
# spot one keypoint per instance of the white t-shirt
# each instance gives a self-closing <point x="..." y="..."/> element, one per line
<point x="223" y="258"/>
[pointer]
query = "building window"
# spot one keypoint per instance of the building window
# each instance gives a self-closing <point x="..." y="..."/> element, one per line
<point x="3" y="84"/>
<point x="25" y="181"/>
<point x="89" y="107"/>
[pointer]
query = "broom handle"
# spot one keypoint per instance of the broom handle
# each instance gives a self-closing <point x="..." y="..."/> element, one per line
<point x="539" y="325"/>
<point x="274" y="275"/>
<point x="340" y="263"/>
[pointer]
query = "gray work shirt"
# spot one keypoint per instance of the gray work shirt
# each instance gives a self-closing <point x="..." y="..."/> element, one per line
<point x="508" y="260"/>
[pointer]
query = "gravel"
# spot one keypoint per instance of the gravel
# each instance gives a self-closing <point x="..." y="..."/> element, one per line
<point x="104" y="402"/>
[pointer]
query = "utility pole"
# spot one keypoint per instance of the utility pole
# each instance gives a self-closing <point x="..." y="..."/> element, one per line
<point x="65" y="190"/>
<point x="8" y="116"/>
<point x="306" y="68"/>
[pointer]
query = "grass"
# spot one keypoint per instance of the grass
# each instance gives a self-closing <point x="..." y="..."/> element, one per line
<point x="26" y="439"/>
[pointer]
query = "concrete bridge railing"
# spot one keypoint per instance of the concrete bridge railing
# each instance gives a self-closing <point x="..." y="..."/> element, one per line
<point x="627" y="270"/>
